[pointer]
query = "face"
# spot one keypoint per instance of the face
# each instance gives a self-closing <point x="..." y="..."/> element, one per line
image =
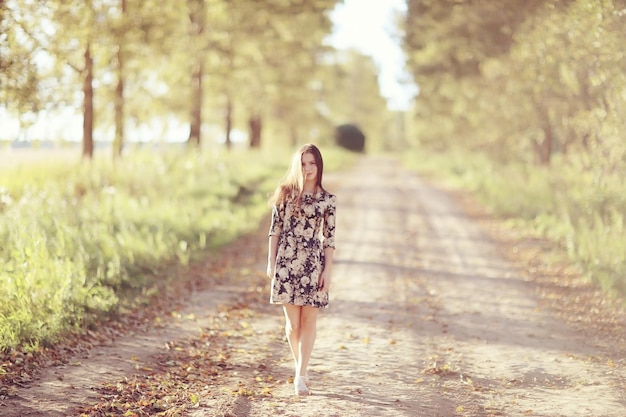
<point x="309" y="168"/>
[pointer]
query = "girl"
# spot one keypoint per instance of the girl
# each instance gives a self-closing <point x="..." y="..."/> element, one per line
<point x="300" y="255"/>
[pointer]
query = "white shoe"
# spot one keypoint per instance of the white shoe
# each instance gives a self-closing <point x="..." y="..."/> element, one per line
<point x="300" y="386"/>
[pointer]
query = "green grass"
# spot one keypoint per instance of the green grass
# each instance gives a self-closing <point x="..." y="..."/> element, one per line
<point x="583" y="210"/>
<point x="77" y="239"/>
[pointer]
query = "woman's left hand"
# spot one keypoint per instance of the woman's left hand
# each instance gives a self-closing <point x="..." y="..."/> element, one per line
<point x="324" y="282"/>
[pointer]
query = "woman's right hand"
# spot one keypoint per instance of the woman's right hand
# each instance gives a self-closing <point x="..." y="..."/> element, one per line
<point x="270" y="270"/>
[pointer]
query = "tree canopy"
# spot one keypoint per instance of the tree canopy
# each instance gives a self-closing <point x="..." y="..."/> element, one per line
<point x="258" y="66"/>
<point x="527" y="80"/>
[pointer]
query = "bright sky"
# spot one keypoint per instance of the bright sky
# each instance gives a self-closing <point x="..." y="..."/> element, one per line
<point x="369" y="27"/>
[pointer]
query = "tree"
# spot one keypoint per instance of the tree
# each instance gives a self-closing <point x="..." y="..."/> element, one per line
<point x="119" y="29"/>
<point x="279" y="44"/>
<point x="526" y="78"/>
<point x="197" y="24"/>
<point x="447" y="43"/>
<point x="351" y="95"/>
<point x="248" y="64"/>
<point x="19" y="72"/>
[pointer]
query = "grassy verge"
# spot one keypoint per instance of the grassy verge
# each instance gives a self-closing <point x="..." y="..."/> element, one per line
<point x="583" y="210"/>
<point x="77" y="239"/>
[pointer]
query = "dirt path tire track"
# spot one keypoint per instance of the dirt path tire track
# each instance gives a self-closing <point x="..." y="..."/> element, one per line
<point x="427" y="318"/>
<point x="520" y="359"/>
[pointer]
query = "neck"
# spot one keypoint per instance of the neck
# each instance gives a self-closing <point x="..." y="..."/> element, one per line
<point x="309" y="188"/>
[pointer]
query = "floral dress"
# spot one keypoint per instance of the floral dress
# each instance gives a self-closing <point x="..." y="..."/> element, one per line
<point x="303" y="233"/>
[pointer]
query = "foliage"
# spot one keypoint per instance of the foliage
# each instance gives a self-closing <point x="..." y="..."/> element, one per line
<point x="244" y="65"/>
<point x="18" y="71"/>
<point x="583" y="211"/>
<point x="350" y="95"/>
<point x="78" y="240"/>
<point x="537" y="89"/>
<point x="527" y="82"/>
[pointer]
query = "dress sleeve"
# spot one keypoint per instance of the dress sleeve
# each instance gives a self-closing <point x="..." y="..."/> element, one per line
<point x="278" y="216"/>
<point x="329" y="223"/>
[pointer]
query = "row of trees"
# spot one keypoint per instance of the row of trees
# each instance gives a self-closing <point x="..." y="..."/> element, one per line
<point x="528" y="80"/>
<point x="259" y="65"/>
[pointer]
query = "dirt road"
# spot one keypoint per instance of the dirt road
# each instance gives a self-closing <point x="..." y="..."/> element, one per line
<point x="427" y="318"/>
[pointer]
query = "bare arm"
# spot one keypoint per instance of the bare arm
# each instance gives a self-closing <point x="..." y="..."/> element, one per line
<point x="276" y="228"/>
<point x="271" y="255"/>
<point x="324" y="283"/>
<point x="329" y="244"/>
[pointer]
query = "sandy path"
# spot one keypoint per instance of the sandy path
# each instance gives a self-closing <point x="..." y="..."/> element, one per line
<point x="426" y="319"/>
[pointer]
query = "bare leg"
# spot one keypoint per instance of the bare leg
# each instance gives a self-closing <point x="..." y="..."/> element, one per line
<point x="292" y="330"/>
<point x="308" y="324"/>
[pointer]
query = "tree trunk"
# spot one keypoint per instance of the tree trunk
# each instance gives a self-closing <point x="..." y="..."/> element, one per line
<point x="88" y="105"/>
<point x="197" y="10"/>
<point x="255" y="131"/>
<point x="196" y="105"/>
<point x="543" y="150"/>
<point x="229" y="121"/>
<point x="546" y="153"/>
<point x="118" y="141"/>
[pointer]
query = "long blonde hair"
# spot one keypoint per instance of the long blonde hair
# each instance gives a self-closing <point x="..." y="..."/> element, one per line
<point x="290" y="186"/>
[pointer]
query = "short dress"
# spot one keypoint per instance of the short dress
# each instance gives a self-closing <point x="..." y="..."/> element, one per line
<point x="303" y="234"/>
